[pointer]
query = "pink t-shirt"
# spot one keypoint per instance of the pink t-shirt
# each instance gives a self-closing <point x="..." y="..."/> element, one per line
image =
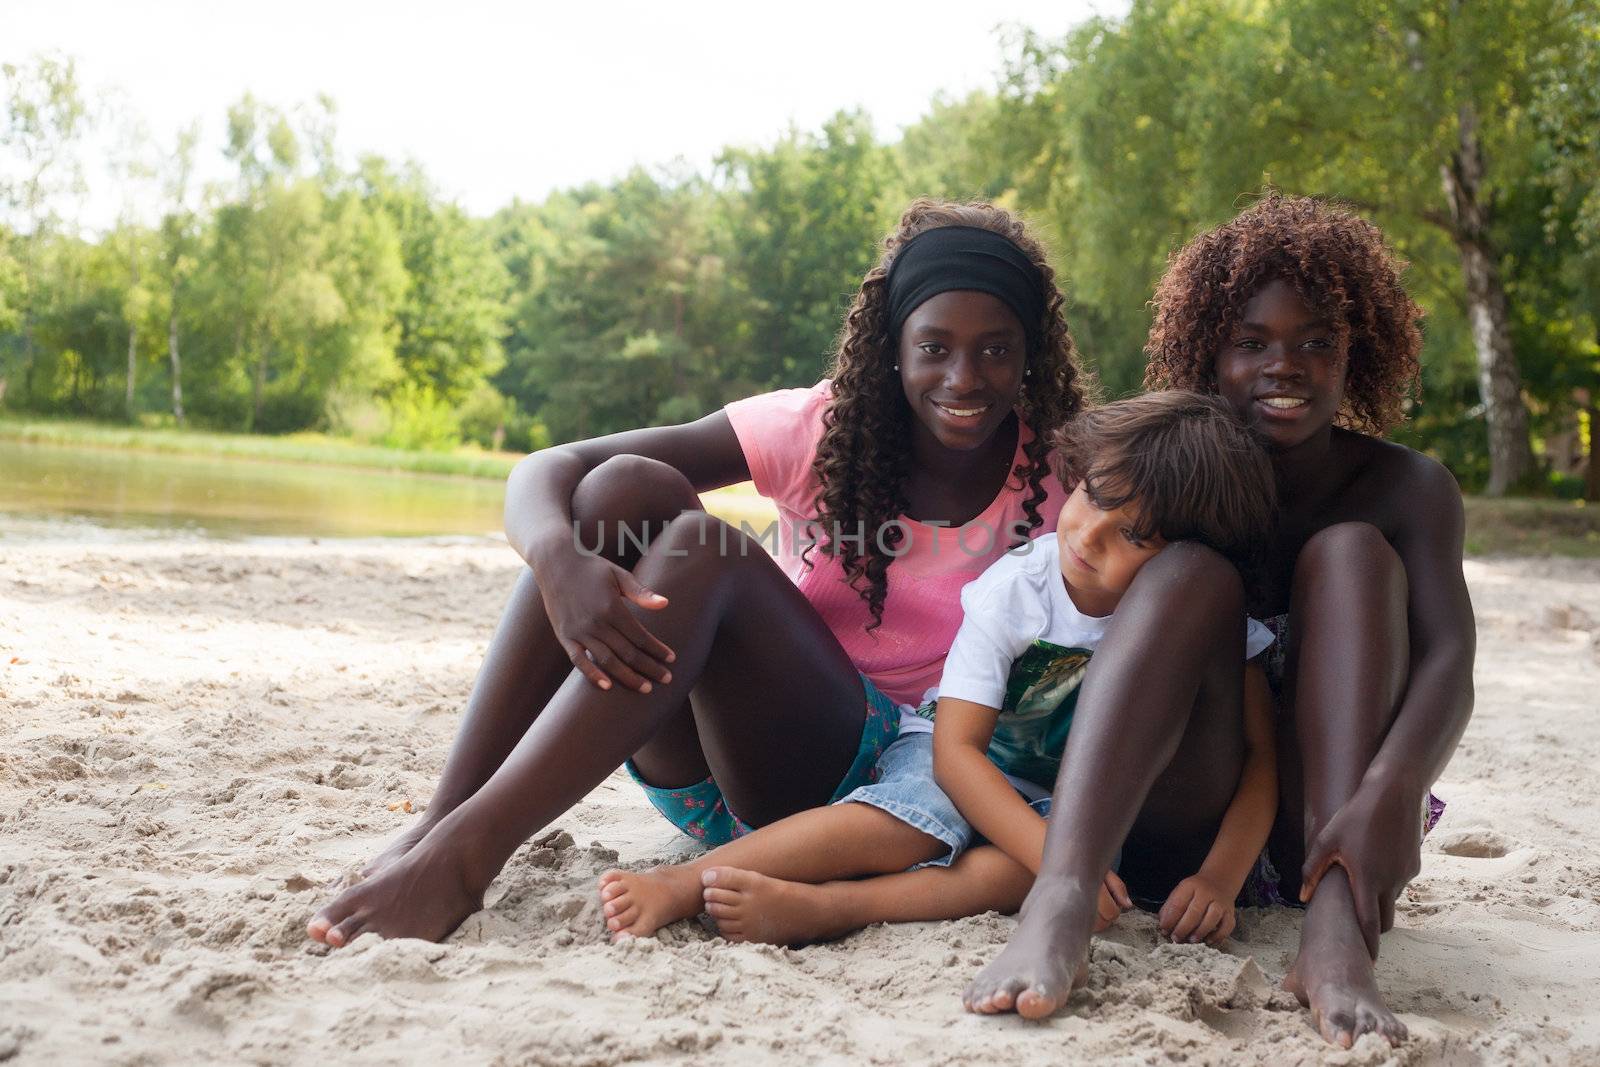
<point x="779" y="433"/>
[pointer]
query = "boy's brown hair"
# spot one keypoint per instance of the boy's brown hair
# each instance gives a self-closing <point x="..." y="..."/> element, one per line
<point x="1189" y="468"/>
<point x="1340" y="266"/>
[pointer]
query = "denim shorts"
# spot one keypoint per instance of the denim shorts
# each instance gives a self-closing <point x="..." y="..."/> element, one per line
<point x="905" y="789"/>
<point x="701" y="811"/>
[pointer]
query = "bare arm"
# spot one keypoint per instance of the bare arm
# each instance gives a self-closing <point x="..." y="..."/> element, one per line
<point x="1248" y="820"/>
<point x="1200" y="908"/>
<point x="586" y="596"/>
<point x="1438" y="701"/>
<point x="1375" y="835"/>
<point x="539" y="491"/>
<point x="962" y="768"/>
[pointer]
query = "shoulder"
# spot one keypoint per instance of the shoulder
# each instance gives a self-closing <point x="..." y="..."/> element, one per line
<point x="1021" y="572"/>
<point x="1410" y="493"/>
<point x="1404" y="471"/>
<point x="779" y="432"/>
<point x="781" y="405"/>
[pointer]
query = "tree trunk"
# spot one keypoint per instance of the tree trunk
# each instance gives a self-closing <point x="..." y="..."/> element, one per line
<point x="1591" y="473"/>
<point x="133" y="339"/>
<point x="260" y="389"/>
<point x="1499" y="381"/>
<point x="238" y="357"/>
<point x="27" y="354"/>
<point x="172" y="350"/>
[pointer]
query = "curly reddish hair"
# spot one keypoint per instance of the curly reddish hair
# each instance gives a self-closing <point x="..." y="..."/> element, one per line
<point x="1337" y="262"/>
<point x="864" y="457"/>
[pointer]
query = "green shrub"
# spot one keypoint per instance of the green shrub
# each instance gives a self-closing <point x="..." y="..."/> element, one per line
<point x="420" y="419"/>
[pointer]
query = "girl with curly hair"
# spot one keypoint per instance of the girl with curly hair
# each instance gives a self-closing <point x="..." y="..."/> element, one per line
<point x="739" y="689"/>
<point x="1294" y="314"/>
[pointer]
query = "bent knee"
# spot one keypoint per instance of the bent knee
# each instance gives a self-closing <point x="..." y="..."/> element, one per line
<point x="1192" y="571"/>
<point x="1351" y="550"/>
<point x="695" y="534"/>
<point x="632" y="489"/>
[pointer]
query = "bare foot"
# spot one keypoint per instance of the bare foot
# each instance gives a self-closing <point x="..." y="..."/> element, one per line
<point x="753" y="907"/>
<point x="1046" y="958"/>
<point x="638" y="903"/>
<point x="402" y="844"/>
<point x="1333" y="974"/>
<point x="425" y="893"/>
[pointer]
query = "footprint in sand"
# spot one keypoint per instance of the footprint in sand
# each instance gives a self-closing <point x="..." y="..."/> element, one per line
<point x="1474" y="844"/>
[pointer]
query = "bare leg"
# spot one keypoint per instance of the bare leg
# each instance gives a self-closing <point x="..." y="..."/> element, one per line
<point x="743" y="634"/>
<point x="525" y="664"/>
<point x="1348" y="658"/>
<point x="755" y="907"/>
<point x="1156" y="748"/>
<point x="838" y="841"/>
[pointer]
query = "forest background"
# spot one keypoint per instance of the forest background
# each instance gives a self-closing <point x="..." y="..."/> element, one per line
<point x="303" y="294"/>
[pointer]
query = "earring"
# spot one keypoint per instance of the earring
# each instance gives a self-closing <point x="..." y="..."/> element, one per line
<point x="896" y="367"/>
<point x="1028" y="373"/>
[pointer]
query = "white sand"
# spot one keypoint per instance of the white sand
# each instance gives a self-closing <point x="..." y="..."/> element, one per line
<point x="195" y="738"/>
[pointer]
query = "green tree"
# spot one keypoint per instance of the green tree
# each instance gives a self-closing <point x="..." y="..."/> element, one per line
<point x="622" y="313"/>
<point x="44" y="117"/>
<point x="1147" y="128"/>
<point x="805" y="216"/>
<point x="177" y="244"/>
<point x="451" y="315"/>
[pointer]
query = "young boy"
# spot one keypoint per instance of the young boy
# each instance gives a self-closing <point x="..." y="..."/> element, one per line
<point x="1154" y="469"/>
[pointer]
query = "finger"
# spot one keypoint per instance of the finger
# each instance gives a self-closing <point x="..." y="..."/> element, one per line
<point x="649" y="656"/>
<point x="1106" y="911"/>
<point x="1192" y="915"/>
<point x="585" y="666"/>
<point x="1312" y="873"/>
<point x="1119" y="891"/>
<point x="1366" y="902"/>
<point x="648" y="669"/>
<point x="1224" y="928"/>
<point x="1207" y="924"/>
<point x="607" y="659"/>
<point x="630" y="588"/>
<point x="1174" y="907"/>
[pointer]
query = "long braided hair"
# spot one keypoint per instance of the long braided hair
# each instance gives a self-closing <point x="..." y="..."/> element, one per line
<point x="864" y="458"/>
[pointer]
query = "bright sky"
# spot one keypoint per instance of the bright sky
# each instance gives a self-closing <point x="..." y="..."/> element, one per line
<point x="503" y="100"/>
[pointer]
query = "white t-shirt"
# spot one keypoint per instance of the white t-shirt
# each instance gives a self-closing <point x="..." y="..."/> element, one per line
<point x="1023" y="647"/>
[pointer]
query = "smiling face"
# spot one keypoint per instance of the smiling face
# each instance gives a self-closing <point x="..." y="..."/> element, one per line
<point x="1100" y="553"/>
<point x="1283" y="369"/>
<point x="962" y="356"/>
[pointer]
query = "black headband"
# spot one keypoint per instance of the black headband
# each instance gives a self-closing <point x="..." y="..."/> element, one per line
<point x="965" y="257"/>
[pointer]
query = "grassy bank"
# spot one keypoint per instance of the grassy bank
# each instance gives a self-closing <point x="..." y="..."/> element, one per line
<point x="1532" y="528"/>
<point x="291" y="448"/>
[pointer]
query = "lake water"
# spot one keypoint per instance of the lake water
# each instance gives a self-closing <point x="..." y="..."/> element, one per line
<point x="51" y="490"/>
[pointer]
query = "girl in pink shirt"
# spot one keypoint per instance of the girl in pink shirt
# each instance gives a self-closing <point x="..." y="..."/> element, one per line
<point x="739" y="689"/>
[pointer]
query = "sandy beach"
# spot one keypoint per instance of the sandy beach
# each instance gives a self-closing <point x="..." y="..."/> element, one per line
<point x="198" y="738"/>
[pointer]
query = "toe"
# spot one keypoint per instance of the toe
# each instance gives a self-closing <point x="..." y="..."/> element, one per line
<point x="719" y="896"/>
<point x="725" y="878"/>
<point x="317" y="928"/>
<point x="1037" y="1002"/>
<point x="347" y="931"/>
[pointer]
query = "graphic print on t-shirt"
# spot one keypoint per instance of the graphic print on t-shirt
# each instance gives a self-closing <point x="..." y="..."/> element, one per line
<point x="1041" y="697"/>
